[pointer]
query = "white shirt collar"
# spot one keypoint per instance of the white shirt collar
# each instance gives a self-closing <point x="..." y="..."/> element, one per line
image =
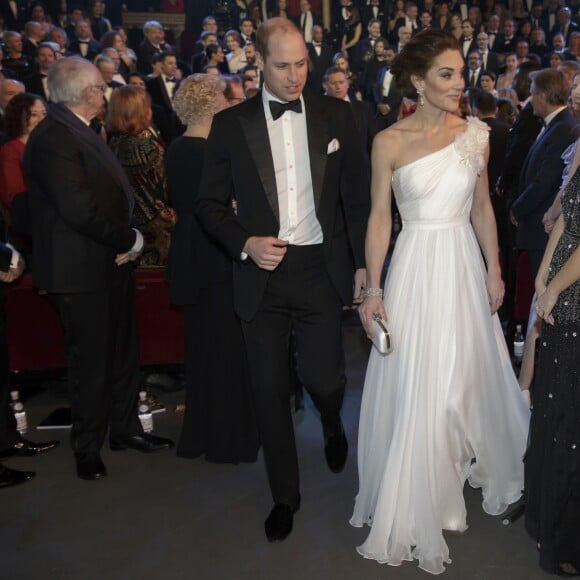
<point x="550" y="117"/>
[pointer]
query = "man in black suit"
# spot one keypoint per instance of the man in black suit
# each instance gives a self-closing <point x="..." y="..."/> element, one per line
<point x="489" y="59"/>
<point x="13" y="13"/>
<point x="484" y="106"/>
<point x="410" y="20"/>
<point x="319" y="59"/>
<point x="366" y="46"/>
<point x="247" y="31"/>
<point x="336" y="85"/>
<point x="565" y="24"/>
<point x="302" y="206"/>
<point x="14" y="59"/>
<point x="506" y="42"/>
<point x="37" y="82"/>
<point x="306" y="20"/>
<point x="12" y="444"/>
<point x="388" y="99"/>
<point x="209" y="25"/>
<point x="472" y="74"/>
<point x="375" y="10"/>
<point x="83" y="44"/>
<point x="152" y="43"/>
<point x="199" y="59"/>
<point x="33" y="36"/>
<point x="541" y="175"/>
<point x="467" y="42"/>
<point x="81" y="205"/>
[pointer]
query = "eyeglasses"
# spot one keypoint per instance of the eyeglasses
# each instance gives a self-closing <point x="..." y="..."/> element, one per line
<point x="102" y="87"/>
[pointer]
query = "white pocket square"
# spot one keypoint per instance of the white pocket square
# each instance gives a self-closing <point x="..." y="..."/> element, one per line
<point x="333" y="146"/>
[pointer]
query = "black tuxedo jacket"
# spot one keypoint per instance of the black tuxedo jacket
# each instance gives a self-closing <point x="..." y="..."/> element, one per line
<point x="467" y="77"/>
<point x="472" y="47"/>
<point x="367" y="13"/>
<point x="393" y="99"/>
<point x="80" y="212"/>
<point x="144" y="53"/>
<point x="319" y="64"/>
<point x="93" y="51"/>
<point x="502" y="45"/>
<point x="492" y="64"/>
<point x="238" y="152"/>
<point x="12" y="22"/>
<point x="498" y="136"/>
<point x="34" y="85"/>
<point x="160" y="98"/>
<point x="363" y="119"/>
<point x="541" y="178"/>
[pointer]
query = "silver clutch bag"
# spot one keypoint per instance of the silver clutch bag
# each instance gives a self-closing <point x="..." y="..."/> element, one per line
<point x="381" y="335"/>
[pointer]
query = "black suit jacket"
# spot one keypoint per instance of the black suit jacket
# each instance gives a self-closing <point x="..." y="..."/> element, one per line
<point x="239" y="152"/>
<point x="144" y="53"/>
<point x="318" y="67"/>
<point x="467" y="77"/>
<point x="367" y="13"/>
<point x="498" y="137"/>
<point x="80" y="212"/>
<point x="502" y="45"/>
<point x="363" y="119"/>
<point x="92" y="52"/>
<point x="160" y="98"/>
<point x="10" y="21"/>
<point x="393" y="99"/>
<point x="541" y="178"/>
<point x="472" y="47"/>
<point x="492" y="64"/>
<point x="34" y="85"/>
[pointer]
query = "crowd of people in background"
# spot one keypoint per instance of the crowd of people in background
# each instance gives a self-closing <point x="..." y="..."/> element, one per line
<point x="522" y="79"/>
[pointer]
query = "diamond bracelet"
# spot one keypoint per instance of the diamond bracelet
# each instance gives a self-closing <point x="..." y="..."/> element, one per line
<point x="368" y="292"/>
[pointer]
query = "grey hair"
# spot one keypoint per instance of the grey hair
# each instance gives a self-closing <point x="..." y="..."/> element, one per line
<point x="68" y="78"/>
<point x="151" y="24"/>
<point x="9" y="34"/>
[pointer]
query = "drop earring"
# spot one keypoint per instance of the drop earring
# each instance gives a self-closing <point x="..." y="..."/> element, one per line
<point x="421" y="95"/>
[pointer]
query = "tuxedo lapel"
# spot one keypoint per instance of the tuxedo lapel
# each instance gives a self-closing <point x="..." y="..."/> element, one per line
<point x="256" y="132"/>
<point x="317" y="130"/>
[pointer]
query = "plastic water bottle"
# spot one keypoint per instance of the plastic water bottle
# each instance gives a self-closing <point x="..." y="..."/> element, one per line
<point x="19" y="412"/>
<point x="145" y="415"/>
<point x="518" y="344"/>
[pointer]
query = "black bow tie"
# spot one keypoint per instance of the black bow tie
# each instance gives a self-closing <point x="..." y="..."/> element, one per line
<point x="83" y="42"/>
<point x="278" y="109"/>
<point x="171" y="80"/>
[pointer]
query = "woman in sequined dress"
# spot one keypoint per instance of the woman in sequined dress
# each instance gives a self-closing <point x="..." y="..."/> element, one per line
<point x="553" y="457"/>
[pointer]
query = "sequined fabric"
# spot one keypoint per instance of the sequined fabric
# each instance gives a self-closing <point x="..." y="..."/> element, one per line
<point x="567" y="308"/>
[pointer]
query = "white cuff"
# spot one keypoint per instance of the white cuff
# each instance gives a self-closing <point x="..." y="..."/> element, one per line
<point x="138" y="245"/>
<point x="16" y="257"/>
<point x="244" y="256"/>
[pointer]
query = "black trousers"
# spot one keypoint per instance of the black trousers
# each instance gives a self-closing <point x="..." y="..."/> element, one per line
<point x="299" y="296"/>
<point x="102" y="361"/>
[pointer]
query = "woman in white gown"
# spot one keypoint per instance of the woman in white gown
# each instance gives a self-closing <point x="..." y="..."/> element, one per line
<point x="444" y="406"/>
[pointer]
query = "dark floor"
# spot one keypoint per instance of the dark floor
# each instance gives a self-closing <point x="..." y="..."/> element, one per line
<point x="159" y="517"/>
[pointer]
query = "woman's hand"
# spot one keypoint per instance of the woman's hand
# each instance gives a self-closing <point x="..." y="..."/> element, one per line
<point x="370" y="306"/>
<point x="545" y="304"/>
<point x="495" y="291"/>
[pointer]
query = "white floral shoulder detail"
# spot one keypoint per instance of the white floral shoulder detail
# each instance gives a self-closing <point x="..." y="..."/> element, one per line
<point x="470" y="145"/>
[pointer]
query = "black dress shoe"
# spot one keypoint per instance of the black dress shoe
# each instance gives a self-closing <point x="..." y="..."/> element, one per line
<point x="335" y="449"/>
<point x="90" y="466"/>
<point x="9" y="477"/>
<point x="25" y="448"/>
<point x="278" y="524"/>
<point x="145" y="443"/>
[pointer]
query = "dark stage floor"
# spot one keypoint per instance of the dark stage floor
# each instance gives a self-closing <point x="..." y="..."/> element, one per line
<point x="156" y="517"/>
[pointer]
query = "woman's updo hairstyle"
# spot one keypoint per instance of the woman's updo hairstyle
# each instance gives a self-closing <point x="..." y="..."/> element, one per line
<point x="418" y="55"/>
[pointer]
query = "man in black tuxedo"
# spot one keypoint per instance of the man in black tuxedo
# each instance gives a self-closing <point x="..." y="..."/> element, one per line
<point x="388" y="99"/>
<point x="336" y="85"/>
<point x="489" y="59"/>
<point x="247" y="31"/>
<point x="199" y="59"/>
<point x="208" y="25"/>
<point x="12" y="444"/>
<point x="306" y="20"/>
<point x="467" y="42"/>
<point x="375" y="10"/>
<point x="33" y="36"/>
<point x="152" y="43"/>
<point x="81" y="206"/>
<point x="298" y="236"/>
<point x="83" y="43"/>
<point x="506" y="42"/>
<point x="565" y="24"/>
<point x="319" y="58"/>
<point x="37" y="82"/>
<point x="13" y="13"/>
<point x="410" y="20"/>
<point x="541" y="175"/>
<point x="162" y="88"/>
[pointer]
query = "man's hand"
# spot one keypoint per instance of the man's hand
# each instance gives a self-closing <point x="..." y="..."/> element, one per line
<point x="383" y="108"/>
<point x="13" y="273"/>
<point x="360" y="280"/>
<point x="513" y="219"/>
<point x="266" y="251"/>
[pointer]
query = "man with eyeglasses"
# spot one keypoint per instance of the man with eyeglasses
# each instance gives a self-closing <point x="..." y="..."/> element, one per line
<point x="81" y="206"/>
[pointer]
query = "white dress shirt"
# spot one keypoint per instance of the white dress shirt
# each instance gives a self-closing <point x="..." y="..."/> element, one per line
<point x="387" y="83"/>
<point x="169" y="88"/>
<point x="306" y="23"/>
<point x="289" y="144"/>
